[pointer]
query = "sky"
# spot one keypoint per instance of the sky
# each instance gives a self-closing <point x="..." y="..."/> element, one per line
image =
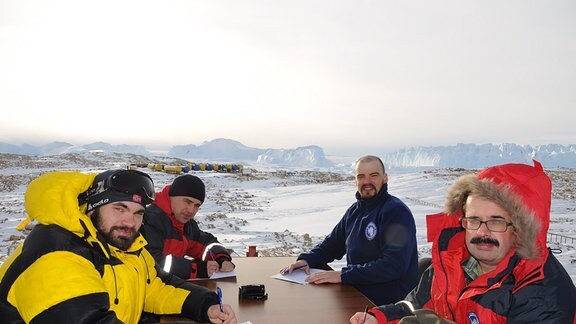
<point x="348" y="76"/>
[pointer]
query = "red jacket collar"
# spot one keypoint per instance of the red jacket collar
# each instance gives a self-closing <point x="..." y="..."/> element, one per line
<point x="162" y="200"/>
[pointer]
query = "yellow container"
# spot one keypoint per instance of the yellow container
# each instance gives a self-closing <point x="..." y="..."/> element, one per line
<point x="173" y="169"/>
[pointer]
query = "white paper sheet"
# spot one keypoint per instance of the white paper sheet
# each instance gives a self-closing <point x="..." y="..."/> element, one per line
<point x="297" y="276"/>
<point x="218" y="275"/>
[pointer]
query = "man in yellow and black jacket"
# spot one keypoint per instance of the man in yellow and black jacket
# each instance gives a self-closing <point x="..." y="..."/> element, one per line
<point x="85" y="261"/>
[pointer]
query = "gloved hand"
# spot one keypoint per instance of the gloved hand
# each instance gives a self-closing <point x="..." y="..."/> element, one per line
<point x="424" y="316"/>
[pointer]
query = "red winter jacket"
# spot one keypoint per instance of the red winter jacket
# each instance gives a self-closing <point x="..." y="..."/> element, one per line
<point x="519" y="290"/>
<point x="189" y="247"/>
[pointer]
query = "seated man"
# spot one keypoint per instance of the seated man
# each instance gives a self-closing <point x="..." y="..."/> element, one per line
<point x="85" y="262"/>
<point x="175" y="239"/>
<point x="378" y="236"/>
<point x="490" y="263"/>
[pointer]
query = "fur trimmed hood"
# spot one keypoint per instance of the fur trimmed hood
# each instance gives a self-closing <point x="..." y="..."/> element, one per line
<point x="525" y="192"/>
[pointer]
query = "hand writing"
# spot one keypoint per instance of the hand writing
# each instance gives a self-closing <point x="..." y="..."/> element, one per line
<point x="211" y="267"/>
<point x="300" y="264"/>
<point x="227" y="316"/>
<point x="358" y="318"/>
<point x="227" y="266"/>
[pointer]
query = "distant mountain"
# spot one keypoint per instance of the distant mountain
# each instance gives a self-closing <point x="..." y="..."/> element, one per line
<point x="122" y="148"/>
<point x="219" y="150"/>
<point x="12" y="149"/>
<point x="480" y="156"/>
<point x="307" y="156"/>
<point x="227" y="150"/>
<point x="57" y="148"/>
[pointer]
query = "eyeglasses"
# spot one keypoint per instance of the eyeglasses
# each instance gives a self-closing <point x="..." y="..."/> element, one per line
<point x="130" y="182"/>
<point x="493" y="225"/>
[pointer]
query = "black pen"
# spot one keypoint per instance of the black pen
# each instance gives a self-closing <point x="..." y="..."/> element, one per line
<point x="365" y="313"/>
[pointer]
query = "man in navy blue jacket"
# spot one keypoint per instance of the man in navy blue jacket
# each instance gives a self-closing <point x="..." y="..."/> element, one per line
<point x="378" y="236"/>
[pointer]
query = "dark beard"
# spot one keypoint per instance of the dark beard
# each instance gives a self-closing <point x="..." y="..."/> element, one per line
<point x="121" y="242"/>
<point x="368" y="186"/>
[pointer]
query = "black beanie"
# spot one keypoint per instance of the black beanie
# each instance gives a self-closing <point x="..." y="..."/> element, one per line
<point x="189" y="186"/>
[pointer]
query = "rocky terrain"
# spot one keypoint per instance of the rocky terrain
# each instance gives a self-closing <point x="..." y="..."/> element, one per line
<point x="232" y="206"/>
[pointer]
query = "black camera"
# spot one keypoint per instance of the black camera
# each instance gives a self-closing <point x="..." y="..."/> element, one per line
<point x="257" y="292"/>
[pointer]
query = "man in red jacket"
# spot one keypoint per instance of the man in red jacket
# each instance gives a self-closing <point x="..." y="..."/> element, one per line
<point x="490" y="263"/>
<point x="174" y="238"/>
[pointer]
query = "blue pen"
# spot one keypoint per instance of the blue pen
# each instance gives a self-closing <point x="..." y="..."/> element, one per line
<point x="219" y="293"/>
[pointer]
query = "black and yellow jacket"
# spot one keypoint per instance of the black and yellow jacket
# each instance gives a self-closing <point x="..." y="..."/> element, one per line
<point x="65" y="273"/>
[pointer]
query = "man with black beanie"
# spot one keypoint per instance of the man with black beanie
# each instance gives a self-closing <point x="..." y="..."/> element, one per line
<point x="174" y="238"/>
<point x="86" y="262"/>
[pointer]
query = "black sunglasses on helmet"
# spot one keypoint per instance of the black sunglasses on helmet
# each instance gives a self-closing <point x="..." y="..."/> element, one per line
<point x="124" y="181"/>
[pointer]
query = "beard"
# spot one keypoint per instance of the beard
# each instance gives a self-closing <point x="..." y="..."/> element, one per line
<point x="122" y="242"/>
<point x="364" y="195"/>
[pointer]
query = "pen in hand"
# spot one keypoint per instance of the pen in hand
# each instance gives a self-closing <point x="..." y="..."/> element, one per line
<point x="365" y="313"/>
<point x="211" y="255"/>
<point x="285" y="270"/>
<point x="219" y="293"/>
<point x="213" y="259"/>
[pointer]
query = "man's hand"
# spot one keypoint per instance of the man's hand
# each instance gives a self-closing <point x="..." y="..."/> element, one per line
<point x="424" y="316"/>
<point x="211" y="267"/>
<point x="227" y="316"/>
<point x="358" y="318"/>
<point x="300" y="264"/>
<point x="227" y="266"/>
<point x="325" y="277"/>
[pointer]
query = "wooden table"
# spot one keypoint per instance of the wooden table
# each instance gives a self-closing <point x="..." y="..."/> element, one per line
<point x="287" y="302"/>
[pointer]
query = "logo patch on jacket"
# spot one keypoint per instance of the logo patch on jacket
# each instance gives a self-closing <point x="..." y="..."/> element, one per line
<point x="370" y="231"/>
<point x="473" y="318"/>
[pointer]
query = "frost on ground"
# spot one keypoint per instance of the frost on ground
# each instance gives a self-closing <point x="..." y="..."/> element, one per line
<point x="282" y="213"/>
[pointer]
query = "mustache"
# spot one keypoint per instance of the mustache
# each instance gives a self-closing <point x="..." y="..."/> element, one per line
<point x="484" y="240"/>
<point x="369" y="186"/>
<point x="123" y="228"/>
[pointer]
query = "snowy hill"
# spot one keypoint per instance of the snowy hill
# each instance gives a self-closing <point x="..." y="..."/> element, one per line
<point x="57" y="148"/>
<point x="219" y="149"/>
<point x="303" y="157"/>
<point x="227" y="150"/>
<point x="480" y="156"/>
<point x="273" y="209"/>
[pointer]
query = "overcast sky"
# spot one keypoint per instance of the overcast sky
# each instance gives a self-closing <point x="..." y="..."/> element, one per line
<point x="349" y="76"/>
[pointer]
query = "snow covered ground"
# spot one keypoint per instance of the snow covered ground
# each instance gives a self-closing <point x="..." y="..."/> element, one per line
<point x="281" y="212"/>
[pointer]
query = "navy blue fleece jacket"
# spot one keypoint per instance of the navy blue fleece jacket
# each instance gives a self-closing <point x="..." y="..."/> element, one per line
<point x="378" y="237"/>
